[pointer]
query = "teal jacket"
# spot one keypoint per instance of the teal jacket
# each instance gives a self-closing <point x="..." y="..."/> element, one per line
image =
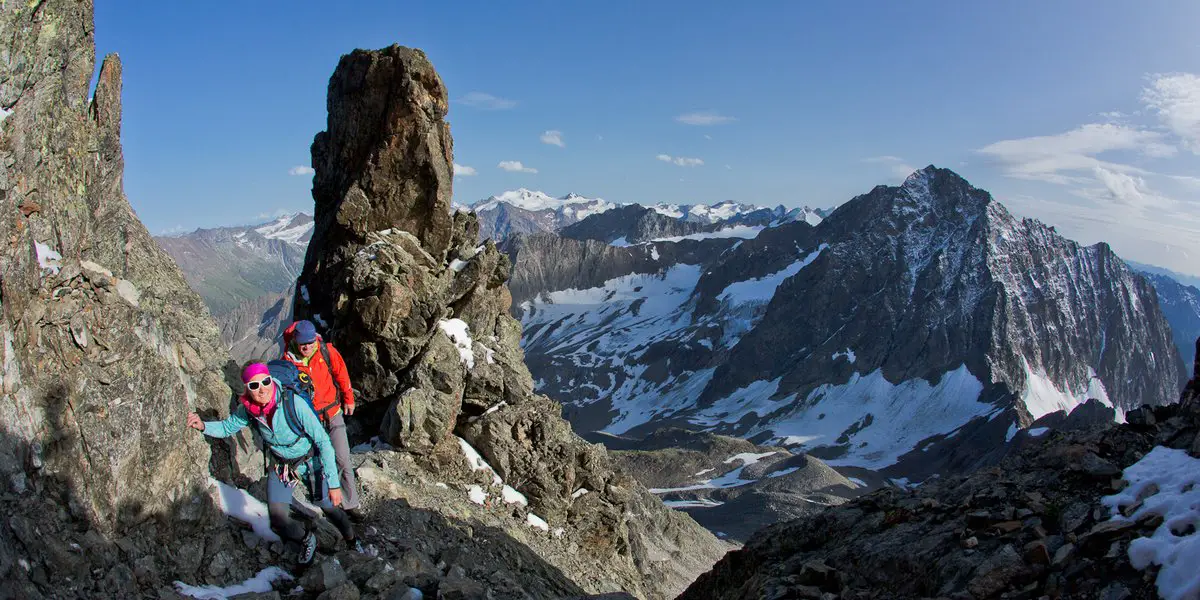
<point x="282" y="440"/>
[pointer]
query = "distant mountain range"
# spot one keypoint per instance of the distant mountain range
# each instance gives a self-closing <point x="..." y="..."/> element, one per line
<point x="231" y="265"/>
<point x="526" y="211"/>
<point x="915" y="329"/>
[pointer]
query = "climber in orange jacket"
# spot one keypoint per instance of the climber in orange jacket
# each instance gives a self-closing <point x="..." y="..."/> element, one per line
<point x="332" y="397"/>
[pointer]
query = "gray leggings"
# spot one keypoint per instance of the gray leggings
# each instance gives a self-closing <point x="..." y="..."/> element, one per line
<point x="279" y="501"/>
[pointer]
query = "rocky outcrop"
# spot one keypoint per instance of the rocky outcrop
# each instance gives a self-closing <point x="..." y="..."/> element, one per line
<point x="1032" y="527"/>
<point x="104" y="348"/>
<point x="632" y="224"/>
<point x="1181" y="306"/>
<point x="420" y="312"/>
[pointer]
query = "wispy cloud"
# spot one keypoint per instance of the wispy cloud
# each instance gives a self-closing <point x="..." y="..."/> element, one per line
<point x="554" y="138"/>
<point x="1176" y="100"/>
<point x="704" y="117"/>
<point x="1052" y="157"/>
<point x="172" y="231"/>
<point x="301" y="170"/>
<point x="681" y="161"/>
<point x="463" y="170"/>
<point x="515" y="166"/>
<point x="898" y="167"/>
<point x="486" y="101"/>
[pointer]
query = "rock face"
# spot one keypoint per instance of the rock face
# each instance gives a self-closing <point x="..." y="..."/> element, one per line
<point x="420" y="312"/>
<point x="104" y="348"/>
<point x="631" y="225"/>
<point x="917" y="327"/>
<point x="1034" y="525"/>
<point x="1181" y="306"/>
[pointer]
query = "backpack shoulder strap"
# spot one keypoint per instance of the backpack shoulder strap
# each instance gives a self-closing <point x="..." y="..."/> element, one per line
<point x="293" y="419"/>
<point x="329" y="365"/>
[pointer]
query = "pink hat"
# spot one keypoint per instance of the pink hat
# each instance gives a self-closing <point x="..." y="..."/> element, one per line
<point x="253" y="370"/>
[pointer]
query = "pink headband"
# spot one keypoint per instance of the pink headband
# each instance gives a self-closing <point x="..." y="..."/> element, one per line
<point x="252" y="370"/>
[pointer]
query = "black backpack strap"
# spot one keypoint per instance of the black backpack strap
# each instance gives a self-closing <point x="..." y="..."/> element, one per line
<point x="337" y="389"/>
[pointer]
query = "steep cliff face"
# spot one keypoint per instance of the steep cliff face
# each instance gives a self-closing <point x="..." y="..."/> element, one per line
<point x="910" y="316"/>
<point x="420" y="311"/>
<point x="104" y="348"/>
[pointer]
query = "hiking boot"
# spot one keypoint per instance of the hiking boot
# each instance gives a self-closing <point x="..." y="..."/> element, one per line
<point x="356" y="515"/>
<point x="308" y="548"/>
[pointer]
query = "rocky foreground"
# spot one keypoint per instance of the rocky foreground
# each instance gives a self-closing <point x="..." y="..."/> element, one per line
<point x="1034" y="526"/>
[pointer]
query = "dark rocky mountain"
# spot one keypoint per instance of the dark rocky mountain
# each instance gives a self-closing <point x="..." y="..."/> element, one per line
<point x="1181" y="306"/>
<point x="630" y="225"/>
<point x="916" y="329"/>
<point x="231" y="265"/>
<point x="1094" y="513"/>
<point x="420" y="311"/>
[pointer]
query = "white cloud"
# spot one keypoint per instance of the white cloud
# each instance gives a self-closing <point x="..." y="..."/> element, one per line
<point x="898" y="167"/>
<point x="681" y="161"/>
<point x="486" y="101"/>
<point x="554" y="138"/>
<point x="1050" y="157"/>
<point x="707" y="137"/>
<point x="463" y="170"/>
<point x="1176" y="99"/>
<point x="300" y="170"/>
<point x="599" y="138"/>
<point x="1131" y="191"/>
<point x="704" y="117"/>
<point x="172" y="231"/>
<point x="515" y="166"/>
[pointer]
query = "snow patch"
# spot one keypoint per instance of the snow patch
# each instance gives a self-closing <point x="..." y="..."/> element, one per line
<point x="260" y="583"/>
<point x="1038" y="431"/>
<point x="763" y="288"/>
<point x="457" y="265"/>
<point x="1176" y="477"/>
<point x="48" y="258"/>
<point x="849" y="354"/>
<point x="535" y="521"/>
<point x="239" y="504"/>
<point x="701" y="503"/>
<point x="1043" y="396"/>
<point x="457" y="331"/>
<point x="512" y="496"/>
<point x="746" y="232"/>
<point x="475" y="494"/>
<point x="620" y="242"/>
<point x="476" y="461"/>
<point x="874" y="420"/>
<point x="304" y="293"/>
<point x="579" y="492"/>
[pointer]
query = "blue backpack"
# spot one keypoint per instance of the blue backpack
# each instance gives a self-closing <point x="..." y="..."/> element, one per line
<point x="292" y="382"/>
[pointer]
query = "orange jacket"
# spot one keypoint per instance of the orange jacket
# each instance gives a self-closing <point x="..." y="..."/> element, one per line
<point x="324" y="378"/>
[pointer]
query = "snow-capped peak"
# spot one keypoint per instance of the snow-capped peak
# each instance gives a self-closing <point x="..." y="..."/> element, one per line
<point x="295" y="228"/>
<point x="533" y="200"/>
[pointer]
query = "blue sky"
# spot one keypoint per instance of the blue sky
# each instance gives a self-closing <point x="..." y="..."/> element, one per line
<point x="1085" y="115"/>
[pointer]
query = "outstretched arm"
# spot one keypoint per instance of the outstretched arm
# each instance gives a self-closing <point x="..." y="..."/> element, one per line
<point x="221" y="429"/>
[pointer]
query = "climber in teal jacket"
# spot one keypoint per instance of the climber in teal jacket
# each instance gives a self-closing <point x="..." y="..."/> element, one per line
<point x="291" y="453"/>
